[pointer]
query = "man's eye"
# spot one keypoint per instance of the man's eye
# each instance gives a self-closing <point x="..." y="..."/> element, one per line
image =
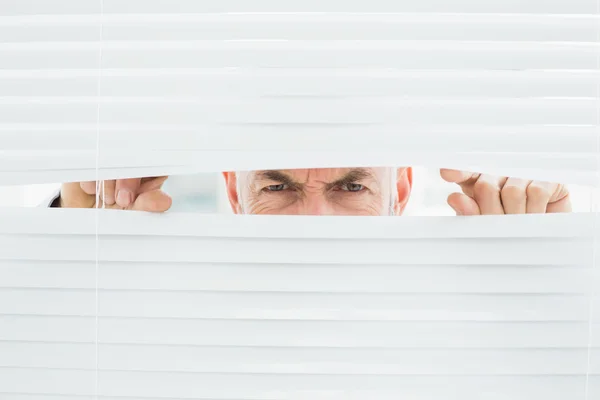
<point x="353" y="187"/>
<point x="276" y="188"/>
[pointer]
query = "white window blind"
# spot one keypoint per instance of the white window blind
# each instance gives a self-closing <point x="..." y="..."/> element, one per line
<point x="100" y="304"/>
<point x="400" y="306"/>
<point x="509" y="87"/>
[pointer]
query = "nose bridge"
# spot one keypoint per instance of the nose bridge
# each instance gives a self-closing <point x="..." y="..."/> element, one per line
<point x="317" y="204"/>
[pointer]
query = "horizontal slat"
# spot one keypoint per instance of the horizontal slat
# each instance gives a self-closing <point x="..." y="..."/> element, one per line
<point x="300" y="26"/>
<point x="48" y="329"/>
<point x="273" y="251"/>
<point x="45" y="274"/>
<point x="291" y="110"/>
<point x="29" y="396"/>
<point x="348" y="82"/>
<point x="278" y="277"/>
<point x="47" y="382"/>
<point x="31" y="167"/>
<point x="29" y="7"/>
<point x="80" y="175"/>
<point x="429" y="55"/>
<point x="37" y="138"/>
<point x="476" y="251"/>
<point x="271" y="387"/>
<point x="48" y="355"/>
<point x="299" y="333"/>
<point x="257" y="45"/>
<point x="589" y="178"/>
<point x="111" y="164"/>
<point x="383" y="6"/>
<point x="51" y="60"/>
<point x="245" y="304"/>
<point x="322" y="333"/>
<point x="525" y="167"/>
<point x="384" y="241"/>
<point x="56" y="7"/>
<point x="301" y="361"/>
<point x="329" y="83"/>
<point x="56" y="222"/>
<point x="90" y="165"/>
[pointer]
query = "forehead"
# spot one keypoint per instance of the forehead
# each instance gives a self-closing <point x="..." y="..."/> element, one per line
<point x="321" y="175"/>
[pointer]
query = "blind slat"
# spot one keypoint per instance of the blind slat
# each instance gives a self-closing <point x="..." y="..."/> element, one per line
<point x="393" y="334"/>
<point x="142" y="301"/>
<point x="214" y="386"/>
<point x="207" y="276"/>
<point x="299" y="26"/>
<point x="336" y="83"/>
<point x="301" y="361"/>
<point x="22" y="168"/>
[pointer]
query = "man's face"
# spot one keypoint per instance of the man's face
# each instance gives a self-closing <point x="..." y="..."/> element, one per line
<point x="327" y="191"/>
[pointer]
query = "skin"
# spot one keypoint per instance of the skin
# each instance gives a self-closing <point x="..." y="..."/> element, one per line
<point x="332" y="191"/>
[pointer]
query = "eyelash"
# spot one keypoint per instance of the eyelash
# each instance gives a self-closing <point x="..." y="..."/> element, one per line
<point x="346" y="188"/>
<point x="343" y="188"/>
<point x="270" y="189"/>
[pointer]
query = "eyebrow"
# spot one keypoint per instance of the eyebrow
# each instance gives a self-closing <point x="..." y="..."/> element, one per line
<point x="351" y="176"/>
<point x="278" y="176"/>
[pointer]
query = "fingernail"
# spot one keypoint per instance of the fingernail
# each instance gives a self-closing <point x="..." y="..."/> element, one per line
<point x="124" y="198"/>
<point x="109" y="200"/>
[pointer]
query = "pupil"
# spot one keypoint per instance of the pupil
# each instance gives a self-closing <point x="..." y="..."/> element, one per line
<point x="354" y="187"/>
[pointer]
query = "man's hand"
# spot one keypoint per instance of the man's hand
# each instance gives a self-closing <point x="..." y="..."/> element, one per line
<point x="125" y="194"/>
<point x="487" y="195"/>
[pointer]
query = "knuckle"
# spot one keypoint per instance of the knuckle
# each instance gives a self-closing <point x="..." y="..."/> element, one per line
<point x="512" y="192"/>
<point x="483" y="189"/>
<point x="537" y="191"/>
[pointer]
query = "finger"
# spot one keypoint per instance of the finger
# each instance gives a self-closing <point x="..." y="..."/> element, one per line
<point x="152" y="201"/>
<point x="126" y="191"/>
<point x="486" y="192"/>
<point x="72" y="196"/>
<point x="107" y="189"/>
<point x="463" y="204"/>
<point x="88" y="187"/>
<point x="561" y="206"/>
<point x="464" y="179"/>
<point x="538" y="196"/>
<point x="455" y="176"/>
<point x="149" y="184"/>
<point x="560" y="193"/>
<point x="514" y="196"/>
